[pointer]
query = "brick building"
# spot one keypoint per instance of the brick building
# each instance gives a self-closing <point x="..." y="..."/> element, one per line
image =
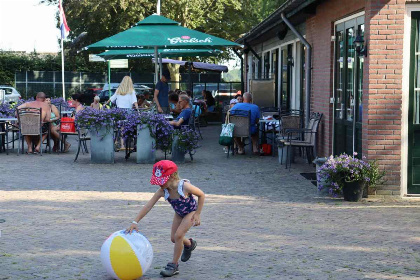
<point x="365" y="56"/>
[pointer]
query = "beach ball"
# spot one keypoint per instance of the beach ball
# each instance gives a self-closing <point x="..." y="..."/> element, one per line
<point x="126" y="256"/>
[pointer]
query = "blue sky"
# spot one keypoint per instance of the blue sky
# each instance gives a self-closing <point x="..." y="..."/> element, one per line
<point x="26" y="24"/>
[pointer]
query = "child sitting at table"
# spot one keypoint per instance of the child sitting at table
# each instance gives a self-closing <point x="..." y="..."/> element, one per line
<point x="96" y="105"/>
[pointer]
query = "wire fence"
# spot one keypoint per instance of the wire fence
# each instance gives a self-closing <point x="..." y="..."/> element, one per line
<point x="29" y="83"/>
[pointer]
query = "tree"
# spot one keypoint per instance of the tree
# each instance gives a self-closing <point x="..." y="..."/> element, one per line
<point x="228" y="19"/>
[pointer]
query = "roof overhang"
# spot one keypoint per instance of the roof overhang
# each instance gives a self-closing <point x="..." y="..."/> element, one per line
<point x="297" y="11"/>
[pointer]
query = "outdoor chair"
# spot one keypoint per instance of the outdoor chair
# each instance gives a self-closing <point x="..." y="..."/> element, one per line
<point x="242" y="121"/>
<point x="270" y="111"/>
<point x="30" y="124"/>
<point x="195" y="120"/>
<point x="4" y="137"/>
<point x="83" y="136"/>
<point x="308" y="143"/>
<point x="289" y="122"/>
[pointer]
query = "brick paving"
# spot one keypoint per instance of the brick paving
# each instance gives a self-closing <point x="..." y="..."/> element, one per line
<point x="260" y="221"/>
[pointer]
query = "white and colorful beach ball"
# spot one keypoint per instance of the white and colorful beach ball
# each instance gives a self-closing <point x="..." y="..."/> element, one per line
<point x="126" y="256"/>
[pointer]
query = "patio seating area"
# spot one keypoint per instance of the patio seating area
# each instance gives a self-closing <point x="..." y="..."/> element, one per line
<point x="273" y="220"/>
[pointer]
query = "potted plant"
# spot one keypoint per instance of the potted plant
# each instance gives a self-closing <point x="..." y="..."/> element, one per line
<point x="100" y="124"/>
<point x="349" y="176"/>
<point x="185" y="140"/>
<point x="151" y="132"/>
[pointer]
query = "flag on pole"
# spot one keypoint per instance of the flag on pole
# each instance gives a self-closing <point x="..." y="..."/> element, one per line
<point x="63" y="22"/>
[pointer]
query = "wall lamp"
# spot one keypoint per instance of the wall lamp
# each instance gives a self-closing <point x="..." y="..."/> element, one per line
<point x="360" y="46"/>
<point x="290" y="60"/>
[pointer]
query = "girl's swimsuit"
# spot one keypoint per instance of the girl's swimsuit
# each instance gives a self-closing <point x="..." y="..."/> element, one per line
<point x="183" y="205"/>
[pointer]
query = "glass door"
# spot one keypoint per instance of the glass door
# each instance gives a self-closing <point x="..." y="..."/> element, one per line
<point x="275" y="73"/>
<point x="413" y="181"/>
<point x="348" y="88"/>
<point x="286" y="76"/>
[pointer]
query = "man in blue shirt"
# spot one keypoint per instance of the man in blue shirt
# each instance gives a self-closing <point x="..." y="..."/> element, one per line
<point x="161" y="93"/>
<point x="255" y="117"/>
<point x="184" y="117"/>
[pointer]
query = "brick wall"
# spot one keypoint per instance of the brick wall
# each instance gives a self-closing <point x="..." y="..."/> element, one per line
<point x="383" y="89"/>
<point x="319" y="30"/>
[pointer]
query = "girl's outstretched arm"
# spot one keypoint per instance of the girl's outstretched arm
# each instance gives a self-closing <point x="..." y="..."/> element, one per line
<point x="188" y="188"/>
<point x="146" y="208"/>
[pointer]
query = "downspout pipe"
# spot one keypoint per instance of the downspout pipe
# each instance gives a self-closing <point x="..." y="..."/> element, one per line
<point x="242" y="70"/>
<point x="308" y="67"/>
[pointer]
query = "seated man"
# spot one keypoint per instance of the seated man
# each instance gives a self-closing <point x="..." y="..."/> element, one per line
<point x="184" y="117"/>
<point x="45" y="116"/>
<point x="255" y="117"/>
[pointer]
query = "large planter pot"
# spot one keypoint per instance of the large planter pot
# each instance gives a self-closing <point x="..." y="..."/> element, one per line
<point x="353" y="191"/>
<point x="325" y="190"/>
<point x="178" y="155"/>
<point x="145" y="146"/>
<point x="102" y="145"/>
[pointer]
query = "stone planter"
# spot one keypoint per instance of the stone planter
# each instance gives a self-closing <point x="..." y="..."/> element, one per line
<point x="102" y="145"/>
<point x="319" y="162"/>
<point x="178" y="155"/>
<point x="146" y="144"/>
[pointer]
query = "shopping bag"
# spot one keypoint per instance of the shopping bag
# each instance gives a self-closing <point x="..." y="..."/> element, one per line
<point x="226" y="136"/>
<point x="67" y="125"/>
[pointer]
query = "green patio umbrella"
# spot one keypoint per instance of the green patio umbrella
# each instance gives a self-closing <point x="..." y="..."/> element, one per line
<point x="161" y="32"/>
<point x="145" y="53"/>
<point x="158" y="32"/>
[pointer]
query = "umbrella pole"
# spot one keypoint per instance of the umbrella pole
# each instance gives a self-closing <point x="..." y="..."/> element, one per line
<point x="190" y="79"/>
<point x="109" y="78"/>
<point x="160" y="64"/>
<point x="156" y="66"/>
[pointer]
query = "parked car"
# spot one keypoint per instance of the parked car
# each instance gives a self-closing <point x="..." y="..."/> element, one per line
<point x="111" y="85"/>
<point x="106" y="94"/>
<point x="9" y="94"/>
<point x="141" y="89"/>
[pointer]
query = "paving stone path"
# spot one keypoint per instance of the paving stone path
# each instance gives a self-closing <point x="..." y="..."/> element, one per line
<point x="260" y="221"/>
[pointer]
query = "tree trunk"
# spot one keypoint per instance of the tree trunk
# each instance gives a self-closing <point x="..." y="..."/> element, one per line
<point x="175" y="77"/>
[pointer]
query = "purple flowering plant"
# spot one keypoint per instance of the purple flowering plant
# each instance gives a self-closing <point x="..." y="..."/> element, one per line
<point x="61" y="102"/>
<point x="93" y="119"/>
<point x="345" y="168"/>
<point x="159" y="127"/>
<point x="187" y="139"/>
<point x="6" y="110"/>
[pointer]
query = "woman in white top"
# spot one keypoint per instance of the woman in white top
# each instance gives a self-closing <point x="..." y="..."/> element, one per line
<point x="125" y="96"/>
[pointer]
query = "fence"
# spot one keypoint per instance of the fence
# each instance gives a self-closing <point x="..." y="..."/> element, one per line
<point x="28" y="83"/>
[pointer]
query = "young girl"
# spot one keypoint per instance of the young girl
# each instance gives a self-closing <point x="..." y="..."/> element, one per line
<point x="179" y="193"/>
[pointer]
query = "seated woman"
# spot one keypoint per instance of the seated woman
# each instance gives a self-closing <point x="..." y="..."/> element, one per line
<point x="210" y="102"/>
<point x="239" y="98"/>
<point x="184" y="116"/>
<point x="173" y="103"/>
<point x="142" y="102"/>
<point x="76" y="102"/>
<point x="55" y="126"/>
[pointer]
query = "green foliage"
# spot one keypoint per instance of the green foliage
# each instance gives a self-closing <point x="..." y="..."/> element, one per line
<point x="228" y="19"/>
